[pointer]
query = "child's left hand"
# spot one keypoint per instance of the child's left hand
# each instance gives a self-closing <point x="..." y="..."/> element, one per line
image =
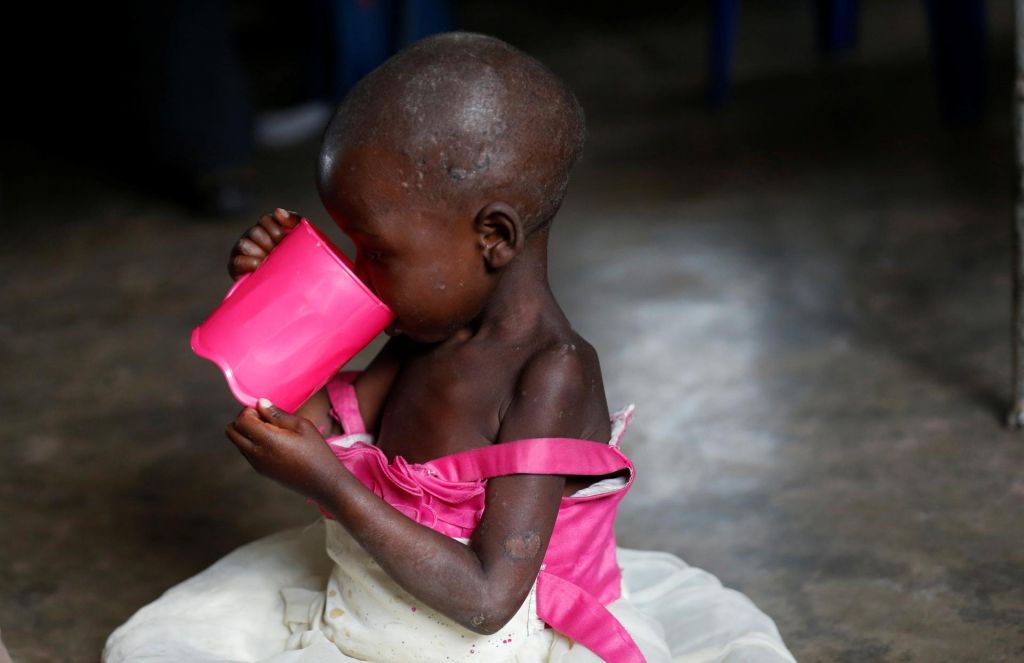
<point x="286" y="448"/>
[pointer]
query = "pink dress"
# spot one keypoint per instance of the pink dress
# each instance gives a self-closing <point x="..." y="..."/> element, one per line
<point x="313" y="595"/>
<point x="579" y="576"/>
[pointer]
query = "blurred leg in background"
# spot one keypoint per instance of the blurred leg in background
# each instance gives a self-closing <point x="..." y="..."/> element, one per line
<point x="367" y="32"/>
<point x="959" y="39"/>
<point x="344" y="41"/>
<point x="198" y="114"/>
<point x="836" y="25"/>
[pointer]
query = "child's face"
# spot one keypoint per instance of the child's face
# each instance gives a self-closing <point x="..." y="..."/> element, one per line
<point x="415" y="251"/>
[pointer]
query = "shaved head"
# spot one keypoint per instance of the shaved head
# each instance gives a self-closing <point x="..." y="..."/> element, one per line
<point x="471" y="115"/>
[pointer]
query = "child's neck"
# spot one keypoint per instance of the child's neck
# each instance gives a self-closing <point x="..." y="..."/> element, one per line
<point x="522" y="302"/>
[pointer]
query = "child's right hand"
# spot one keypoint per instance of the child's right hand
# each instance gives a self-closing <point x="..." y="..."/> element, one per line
<point x="254" y="244"/>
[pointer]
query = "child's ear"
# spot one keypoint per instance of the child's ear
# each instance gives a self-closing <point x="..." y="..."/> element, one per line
<point x="501" y="234"/>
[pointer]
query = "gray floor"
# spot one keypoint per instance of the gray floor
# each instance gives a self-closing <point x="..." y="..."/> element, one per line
<point x="806" y="296"/>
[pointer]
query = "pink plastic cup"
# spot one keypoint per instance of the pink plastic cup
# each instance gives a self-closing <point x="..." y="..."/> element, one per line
<point x="284" y="329"/>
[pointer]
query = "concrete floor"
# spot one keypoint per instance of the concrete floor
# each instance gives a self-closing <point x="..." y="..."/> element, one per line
<point x="806" y="295"/>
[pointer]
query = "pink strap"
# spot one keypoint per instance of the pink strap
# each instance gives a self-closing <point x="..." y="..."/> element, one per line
<point x="341" y="391"/>
<point x="571" y="610"/>
<point x="537" y="455"/>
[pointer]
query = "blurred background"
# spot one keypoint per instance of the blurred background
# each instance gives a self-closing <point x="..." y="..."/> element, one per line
<point x="789" y="239"/>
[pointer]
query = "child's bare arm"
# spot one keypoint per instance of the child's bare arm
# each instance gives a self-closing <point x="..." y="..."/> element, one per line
<point x="482" y="585"/>
<point x="372" y="386"/>
<point x="317" y="410"/>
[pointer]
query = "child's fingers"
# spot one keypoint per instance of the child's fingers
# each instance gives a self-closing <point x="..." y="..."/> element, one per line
<point x="250" y="424"/>
<point x="288" y="218"/>
<point x="251" y="248"/>
<point x="276" y="416"/>
<point x="242" y="264"/>
<point x="243" y="443"/>
<point x="262" y="238"/>
<point x="272" y="228"/>
<point x="263" y="422"/>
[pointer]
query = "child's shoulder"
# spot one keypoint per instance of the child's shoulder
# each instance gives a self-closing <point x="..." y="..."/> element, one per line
<point x="559" y="387"/>
<point x="561" y="364"/>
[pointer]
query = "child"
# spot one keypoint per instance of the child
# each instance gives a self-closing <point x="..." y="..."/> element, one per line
<point x="470" y="474"/>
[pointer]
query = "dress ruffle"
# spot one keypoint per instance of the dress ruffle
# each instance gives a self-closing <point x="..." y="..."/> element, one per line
<point x="234" y="611"/>
<point x="452" y="508"/>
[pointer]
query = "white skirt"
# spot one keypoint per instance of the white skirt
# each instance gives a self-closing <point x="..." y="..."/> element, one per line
<point x="312" y="595"/>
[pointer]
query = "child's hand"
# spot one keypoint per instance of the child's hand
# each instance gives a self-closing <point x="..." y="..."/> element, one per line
<point x="286" y="448"/>
<point x="254" y="245"/>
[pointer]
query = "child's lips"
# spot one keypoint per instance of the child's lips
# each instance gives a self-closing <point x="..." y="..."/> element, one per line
<point x="393" y="329"/>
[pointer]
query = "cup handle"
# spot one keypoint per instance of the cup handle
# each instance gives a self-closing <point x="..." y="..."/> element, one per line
<point x="243" y="277"/>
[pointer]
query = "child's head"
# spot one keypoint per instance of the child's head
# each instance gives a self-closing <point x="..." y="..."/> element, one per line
<point x="446" y="166"/>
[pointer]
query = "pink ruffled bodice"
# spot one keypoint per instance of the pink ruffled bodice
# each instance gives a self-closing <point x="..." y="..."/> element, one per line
<point x="580" y="574"/>
<point x="452" y="508"/>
